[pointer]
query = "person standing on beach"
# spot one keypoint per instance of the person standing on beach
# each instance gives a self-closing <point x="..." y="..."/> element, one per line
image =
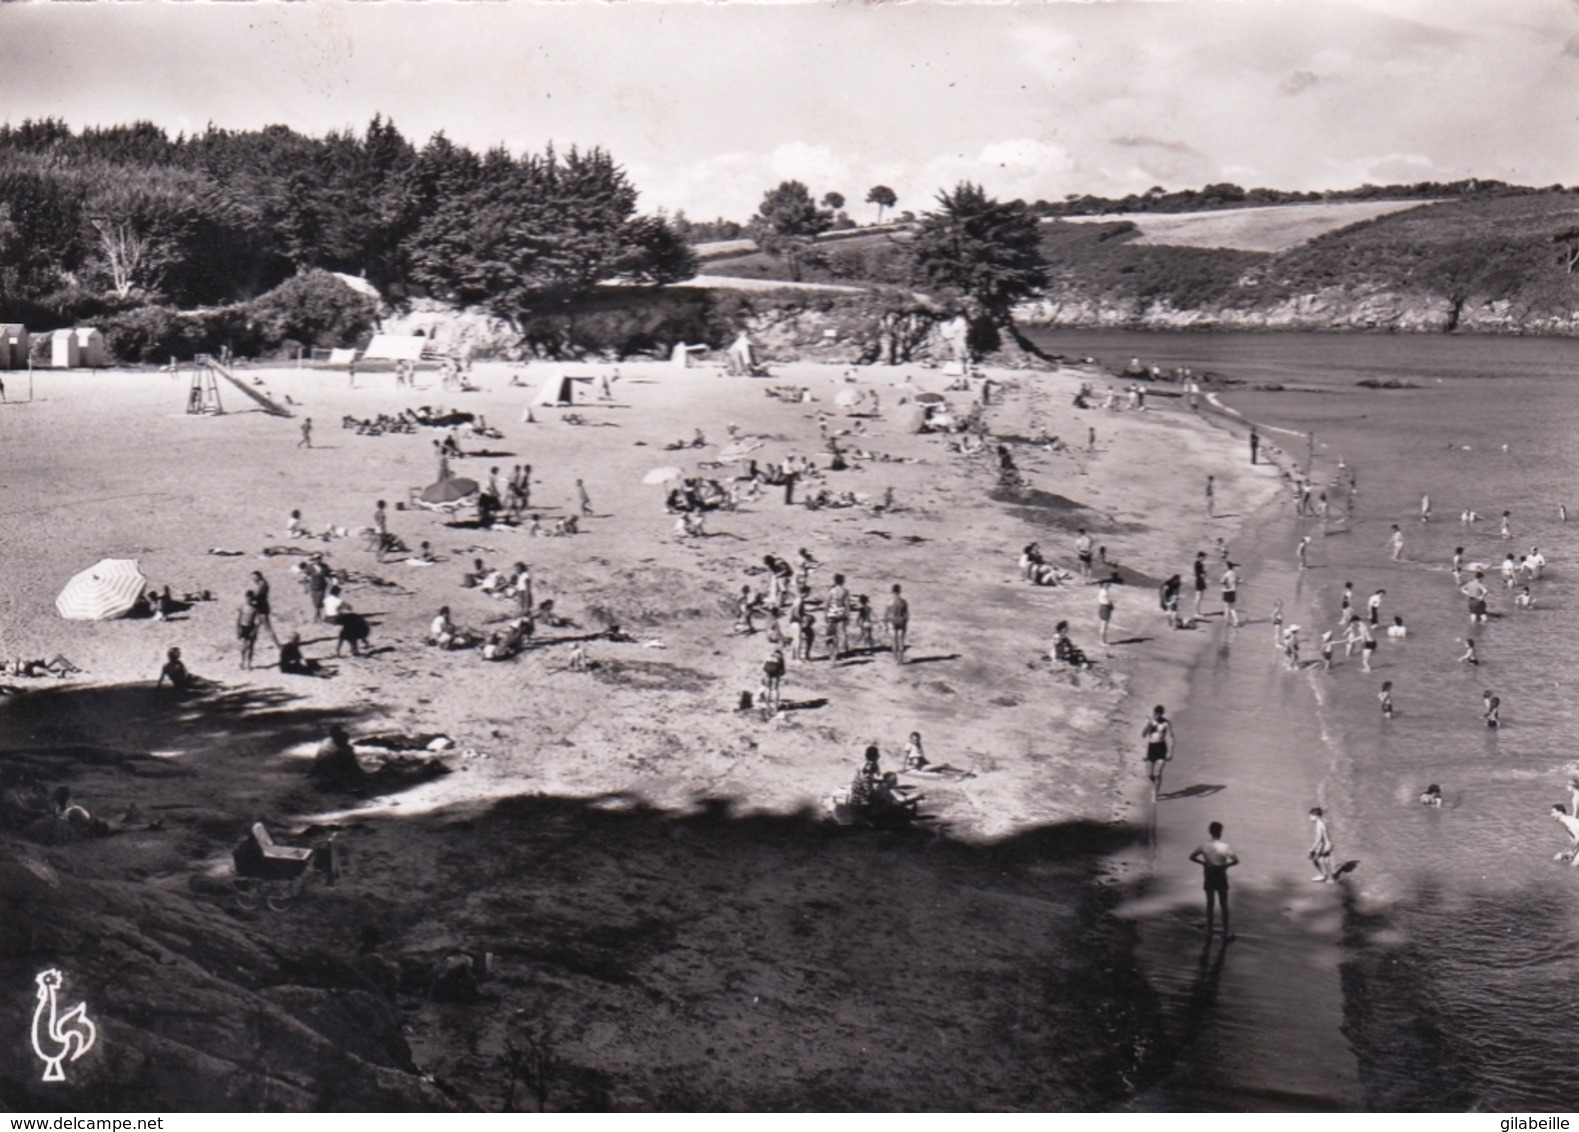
<point x="1395" y="544"/>
<point x="1231" y="595"/>
<point x="1321" y="847"/>
<point x="1158" y="734"/>
<point x="260" y="591"/>
<point x="317" y="583"/>
<point x="1200" y="580"/>
<point x="1255" y="446"/>
<point x="837" y="614"/>
<point x="381" y="529"/>
<point x="1104" y="607"/>
<point x="1211" y="497"/>
<point x="1373" y="607"/>
<point x="247" y="628"/>
<point x="1215" y="859"/>
<point x="1277" y="624"/>
<point x="586" y="500"/>
<point x="1083" y="552"/>
<point x="1301" y="551"/>
<point x="307" y="433"/>
<point x="898" y="617"/>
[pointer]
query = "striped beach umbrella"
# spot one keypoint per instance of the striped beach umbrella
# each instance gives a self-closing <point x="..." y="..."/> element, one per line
<point x="105" y="590"/>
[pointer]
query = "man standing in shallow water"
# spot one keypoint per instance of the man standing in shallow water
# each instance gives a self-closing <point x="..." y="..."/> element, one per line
<point x="1215" y="859"/>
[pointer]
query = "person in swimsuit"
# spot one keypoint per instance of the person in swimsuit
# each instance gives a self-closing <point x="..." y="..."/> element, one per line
<point x="1200" y="580"/>
<point x="1231" y="595"/>
<point x="1385" y="696"/>
<point x="1321" y="847"/>
<point x="1493" y="712"/>
<point x="1104" y="608"/>
<point x="1215" y="859"/>
<point x="1158" y="734"/>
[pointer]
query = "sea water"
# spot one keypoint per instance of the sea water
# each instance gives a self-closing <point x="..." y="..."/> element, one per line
<point x="1461" y="972"/>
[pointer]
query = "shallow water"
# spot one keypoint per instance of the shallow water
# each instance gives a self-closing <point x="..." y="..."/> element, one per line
<point x="1462" y="958"/>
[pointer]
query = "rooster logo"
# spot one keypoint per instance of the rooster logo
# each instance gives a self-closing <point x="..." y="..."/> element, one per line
<point x="57" y="1036"/>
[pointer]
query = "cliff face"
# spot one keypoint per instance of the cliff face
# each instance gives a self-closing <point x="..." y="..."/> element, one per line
<point x="1330" y="309"/>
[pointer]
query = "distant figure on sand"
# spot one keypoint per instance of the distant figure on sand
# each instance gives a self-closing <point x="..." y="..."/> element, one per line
<point x="1432" y="796"/>
<point x="1211" y="496"/>
<point x="898" y="618"/>
<point x="1215" y="859"/>
<point x="1104" y="608"/>
<point x="1321" y="847"/>
<point x="586" y="500"/>
<point x="1395" y="544"/>
<point x="1158" y="734"/>
<point x="1231" y="595"/>
<point x="307" y="433"/>
<point x="1255" y="445"/>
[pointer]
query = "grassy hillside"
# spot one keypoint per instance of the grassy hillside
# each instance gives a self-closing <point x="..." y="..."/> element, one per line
<point x="1271" y="228"/>
<point x="1492" y="263"/>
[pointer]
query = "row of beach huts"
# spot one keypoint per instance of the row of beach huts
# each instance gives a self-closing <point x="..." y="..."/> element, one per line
<point x="79" y="347"/>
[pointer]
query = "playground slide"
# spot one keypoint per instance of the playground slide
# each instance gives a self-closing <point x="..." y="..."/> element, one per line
<point x="268" y="405"/>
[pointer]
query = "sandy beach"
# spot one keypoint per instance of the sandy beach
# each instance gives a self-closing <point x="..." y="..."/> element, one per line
<point x="651" y="874"/>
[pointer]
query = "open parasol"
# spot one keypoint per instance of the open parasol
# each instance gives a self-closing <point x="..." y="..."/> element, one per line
<point x="452" y="490"/>
<point x="105" y="590"/>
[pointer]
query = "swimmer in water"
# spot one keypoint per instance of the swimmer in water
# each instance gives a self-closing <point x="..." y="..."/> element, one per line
<point x="1432" y="796"/>
<point x="1425" y="508"/>
<point x="1469" y="656"/>
<point x="1525" y="600"/>
<point x="1493" y="713"/>
<point x="1385" y="697"/>
<point x="1506" y="531"/>
<point x="1562" y="513"/>
<point x="1326" y="650"/>
<point x="1397" y="631"/>
<point x="1458" y="565"/>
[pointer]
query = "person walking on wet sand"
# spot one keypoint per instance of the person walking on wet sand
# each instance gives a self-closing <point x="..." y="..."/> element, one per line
<point x="1158" y="734"/>
<point x="897" y="615"/>
<point x="1215" y="859"/>
<point x="1395" y="544"/>
<point x="1104" y="608"/>
<point x="1321" y="847"/>
<point x="586" y="500"/>
<point x="1231" y="595"/>
<point x="307" y="433"/>
<point x="1200" y="580"/>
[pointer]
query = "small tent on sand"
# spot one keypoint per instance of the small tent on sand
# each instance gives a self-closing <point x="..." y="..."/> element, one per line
<point x="741" y="360"/>
<point x="565" y="389"/>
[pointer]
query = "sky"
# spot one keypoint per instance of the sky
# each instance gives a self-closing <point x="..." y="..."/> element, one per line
<point x="709" y="105"/>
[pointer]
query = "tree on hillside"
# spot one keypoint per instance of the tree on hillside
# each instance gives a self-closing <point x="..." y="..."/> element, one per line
<point x="883" y="197"/>
<point x="984" y="255"/>
<point x="787" y="223"/>
<point x="833" y="201"/>
<point x="1568" y="241"/>
<point x="520" y="236"/>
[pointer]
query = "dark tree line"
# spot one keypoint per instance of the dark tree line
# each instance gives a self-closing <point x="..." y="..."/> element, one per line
<point x="121" y="217"/>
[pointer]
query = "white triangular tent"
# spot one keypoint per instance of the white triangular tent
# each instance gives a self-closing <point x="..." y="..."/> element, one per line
<point x="741" y="361"/>
<point x="565" y="389"/>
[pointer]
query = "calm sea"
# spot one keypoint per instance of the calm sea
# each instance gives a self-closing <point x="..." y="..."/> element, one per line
<point x="1461" y="977"/>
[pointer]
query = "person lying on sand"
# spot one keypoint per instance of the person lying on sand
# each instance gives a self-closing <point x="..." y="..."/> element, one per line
<point x="56" y="666"/>
<point x="503" y="644"/>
